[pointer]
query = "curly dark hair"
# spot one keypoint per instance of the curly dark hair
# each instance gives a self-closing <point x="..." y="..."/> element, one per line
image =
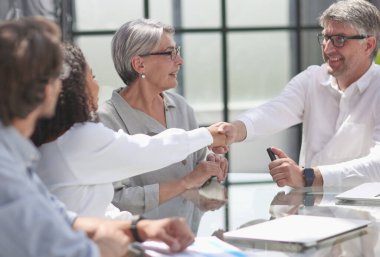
<point x="72" y="106"/>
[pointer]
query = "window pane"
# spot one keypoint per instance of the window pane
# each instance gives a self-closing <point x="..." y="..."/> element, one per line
<point x="259" y="67"/>
<point x="97" y="50"/>
<point x="201" y="13"/>
<point x="103" y="15"/>
<point x="202" y="75"/>
<point x="162" y="10"/>
<point x="187" y="13"/>
<point x="311" y="50"/>
<point x="311" y="10"/>
<point x="245" y="13"/>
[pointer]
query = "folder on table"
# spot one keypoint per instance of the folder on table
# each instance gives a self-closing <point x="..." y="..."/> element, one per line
<point x="296" y="232"/>
<point x="365" y="193"/>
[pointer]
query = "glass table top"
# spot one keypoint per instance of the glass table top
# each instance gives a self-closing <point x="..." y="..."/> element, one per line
<point x="254" y="198"/>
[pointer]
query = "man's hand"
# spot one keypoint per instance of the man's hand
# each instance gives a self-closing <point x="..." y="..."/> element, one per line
<point x="112" y="242"/>
<point x="286" y="172"/>
<point x="234" y="132"/>
<point x="172" y="231"/>
<point x="219" y="138"/>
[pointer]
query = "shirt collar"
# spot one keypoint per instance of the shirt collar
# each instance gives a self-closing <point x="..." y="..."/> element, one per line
<point x="21" y="148"/>
<point x="119" y="100"/>
<point x="362" y="83"/>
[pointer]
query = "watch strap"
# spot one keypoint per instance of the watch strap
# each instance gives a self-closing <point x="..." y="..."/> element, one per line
<point x="133" y="228"/>
<point x="309" y="176"/>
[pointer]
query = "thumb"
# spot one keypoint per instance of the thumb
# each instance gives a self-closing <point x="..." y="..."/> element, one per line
<point x="279" y="152"/>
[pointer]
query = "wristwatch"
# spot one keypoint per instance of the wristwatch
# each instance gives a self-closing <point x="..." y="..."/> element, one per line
<point x="308" y="176"/>
<point x="133" y="228"/>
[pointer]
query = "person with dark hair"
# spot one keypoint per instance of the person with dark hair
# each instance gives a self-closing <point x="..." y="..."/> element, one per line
<point x="148" y="60"/>
<point x="337" y="103"/>
<point x="80" y="158"/>
<point x="32" y="221"/>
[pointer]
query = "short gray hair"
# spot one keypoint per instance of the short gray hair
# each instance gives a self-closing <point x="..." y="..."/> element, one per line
<point x="360" y="14"/>
<point x="136" y="37"/>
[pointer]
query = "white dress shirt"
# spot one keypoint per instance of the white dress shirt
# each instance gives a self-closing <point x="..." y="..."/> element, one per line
<point x="80" y="166"/>
<point x="341" y="130"/>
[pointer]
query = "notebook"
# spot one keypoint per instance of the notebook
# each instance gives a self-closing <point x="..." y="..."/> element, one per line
<point x="296" y="232"/>
<point x="365" y="193"/>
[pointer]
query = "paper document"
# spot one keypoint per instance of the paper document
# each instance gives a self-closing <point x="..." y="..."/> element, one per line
<point x="202" y="247"/>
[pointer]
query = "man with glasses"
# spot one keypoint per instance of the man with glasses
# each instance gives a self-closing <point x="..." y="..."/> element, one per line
<point x="338" y="104"/>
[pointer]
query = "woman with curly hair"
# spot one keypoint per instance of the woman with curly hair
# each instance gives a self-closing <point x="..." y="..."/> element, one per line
<point x="80" y="158"/>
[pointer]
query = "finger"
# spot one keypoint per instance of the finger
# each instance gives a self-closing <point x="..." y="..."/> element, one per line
<point x="220" y="149"/>
<point x="223" y="127"/>
<point x="211" y="157"/>
<point x="279" y="152"/>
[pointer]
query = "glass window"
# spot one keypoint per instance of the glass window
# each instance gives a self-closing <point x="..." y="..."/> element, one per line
<point x="248" y="13"/>
<point x="311" y="10"/>
<point x="187" y="13"/>
<point x="97" y="50"/>
<point x="162" y="10"/>
<point x="202" y="75"/>
<point x="260" y="65"/>
<point x="105" y="15"/>
<point x="201" y="13"/>
<point x="253" y="59"/>
<point x="311" y="50"/>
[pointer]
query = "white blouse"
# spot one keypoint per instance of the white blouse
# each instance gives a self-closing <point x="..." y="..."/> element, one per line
<point x="80" y="166"/>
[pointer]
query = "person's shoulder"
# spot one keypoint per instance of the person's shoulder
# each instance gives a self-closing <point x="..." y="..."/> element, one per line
<point x="106" y="107"/>
<point x="317" y="71"/>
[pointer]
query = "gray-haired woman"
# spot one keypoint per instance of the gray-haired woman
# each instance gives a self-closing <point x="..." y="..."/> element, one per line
<point x="147" y="59"/>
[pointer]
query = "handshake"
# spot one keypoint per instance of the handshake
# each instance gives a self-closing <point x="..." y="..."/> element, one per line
<point x="224" y="134"/>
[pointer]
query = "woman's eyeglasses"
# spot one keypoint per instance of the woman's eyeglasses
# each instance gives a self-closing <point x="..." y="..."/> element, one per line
<point x="173" y="53"/>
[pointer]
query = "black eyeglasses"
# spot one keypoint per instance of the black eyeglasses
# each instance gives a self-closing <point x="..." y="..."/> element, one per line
<point x="338" y="40"/>
<point x="173" y="53"/>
